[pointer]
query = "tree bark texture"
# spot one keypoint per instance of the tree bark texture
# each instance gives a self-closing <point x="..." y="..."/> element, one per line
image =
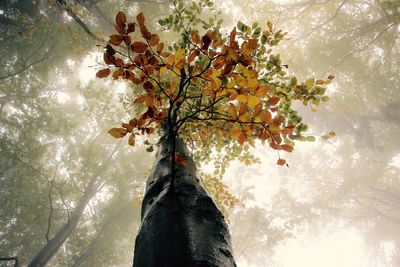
<point x="181" y="226"/>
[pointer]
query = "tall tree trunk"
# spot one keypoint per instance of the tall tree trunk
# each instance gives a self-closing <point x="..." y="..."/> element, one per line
<point x="180" y="226"/>
<point x="49" y="250"/>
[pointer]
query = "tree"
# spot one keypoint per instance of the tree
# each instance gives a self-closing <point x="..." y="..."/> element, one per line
<point x="210" y="91"/>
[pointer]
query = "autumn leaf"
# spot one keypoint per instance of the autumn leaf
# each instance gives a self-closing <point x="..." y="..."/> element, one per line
<point x="154" y="39"/>
<point x="131" y="27"/>
<point x="232" y="36"/>
<point x="120" y="19"/>
<point x="131" y="140"/>
<point x="140" y="18"/>
<point x="116" y="39"/>
<point x="287" y="148"/>
<point x="118" y="132"/>
<point x="103" y="73"/>
<point x="139" y="47"/>
<point x="281" y="162"/>
<point x="252" y="101"/>
<point x="273" y="100"/>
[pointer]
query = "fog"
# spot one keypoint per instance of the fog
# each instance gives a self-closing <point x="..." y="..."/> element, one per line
<point x="336" y="203"/>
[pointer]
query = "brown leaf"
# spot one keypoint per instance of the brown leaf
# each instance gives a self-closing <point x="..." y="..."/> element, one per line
<point x="232" y="36"/>
<point x="103" y="73"/>
<point x="118" y="132"/>
<point x="108" y="59"/>
<point x="131" y="27"/>
<point x="140" y="18"/>
<point x="206" y="41"/>
<point x="139" y="47"/>
<point x="117" y="73"/>
<point x="131" y="140"/>
<point x="287" y="148"/>
<point x="154" y="39"/>
<point x="120" y="19"/>
<point x="116" y="39"/>
<point x="160" y="47"/>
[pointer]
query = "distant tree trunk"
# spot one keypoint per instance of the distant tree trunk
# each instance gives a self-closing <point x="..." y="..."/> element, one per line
<point x="183" y="226"/>
<point x="50" y="249"/>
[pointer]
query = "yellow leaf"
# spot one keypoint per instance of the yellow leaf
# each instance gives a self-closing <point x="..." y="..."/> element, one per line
<point x="262" y="90"/>
<point x="310" y="82"/>
<point x="242" y="98"/>
<point x="252" y="101"/>
<point x="118" y="132"/>
<point x="252" y="83"/>
<point x="179" y="54"/>
<point x="232" y="111"/>
<point x="163" y="69"/>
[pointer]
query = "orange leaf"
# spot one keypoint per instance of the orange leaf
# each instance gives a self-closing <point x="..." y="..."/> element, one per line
<point x="139" y="47"/>
<point x="149" y="102"/>
<point x="281" y="162"/>
<point x="195" y="37"/>
<point x="235" y="132"/>
<point x="103" y="73"/>
<point x="193" y="55"/>
<point x="120" y="19"/>
<point x="117" y="73"/>
<point x="242" y="138"/>
<point x="265" y="116"/>
<point x="140" y="18"/>
<point x="141" y="99"/>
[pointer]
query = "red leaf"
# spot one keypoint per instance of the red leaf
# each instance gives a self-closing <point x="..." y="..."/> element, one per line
<point x="232" y="36"/>
<point x="103" y="73"/>
<point x="120" y="19"/>
<point x="281" y="162"/>
<point x="139" y="47"/>
<point x="273" y="100"/>
<point x="140" y="18"/>
<point x="116" y="39"/>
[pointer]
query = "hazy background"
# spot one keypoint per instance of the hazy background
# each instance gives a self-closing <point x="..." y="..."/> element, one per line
<point x="338" y="203"/>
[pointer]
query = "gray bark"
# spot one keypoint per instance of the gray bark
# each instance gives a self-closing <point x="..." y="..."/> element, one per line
<point x="181" y="226"/>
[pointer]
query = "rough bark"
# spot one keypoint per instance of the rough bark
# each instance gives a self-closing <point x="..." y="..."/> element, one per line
<point x="180" y="226"/>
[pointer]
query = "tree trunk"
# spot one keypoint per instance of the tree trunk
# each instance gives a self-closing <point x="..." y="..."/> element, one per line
<point x="50" y="249"/>
<point x="181" y="226"/>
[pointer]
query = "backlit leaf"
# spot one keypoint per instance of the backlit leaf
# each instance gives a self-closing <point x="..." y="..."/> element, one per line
<point x="103" y="73"/>
<point x="118" y="132"/>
